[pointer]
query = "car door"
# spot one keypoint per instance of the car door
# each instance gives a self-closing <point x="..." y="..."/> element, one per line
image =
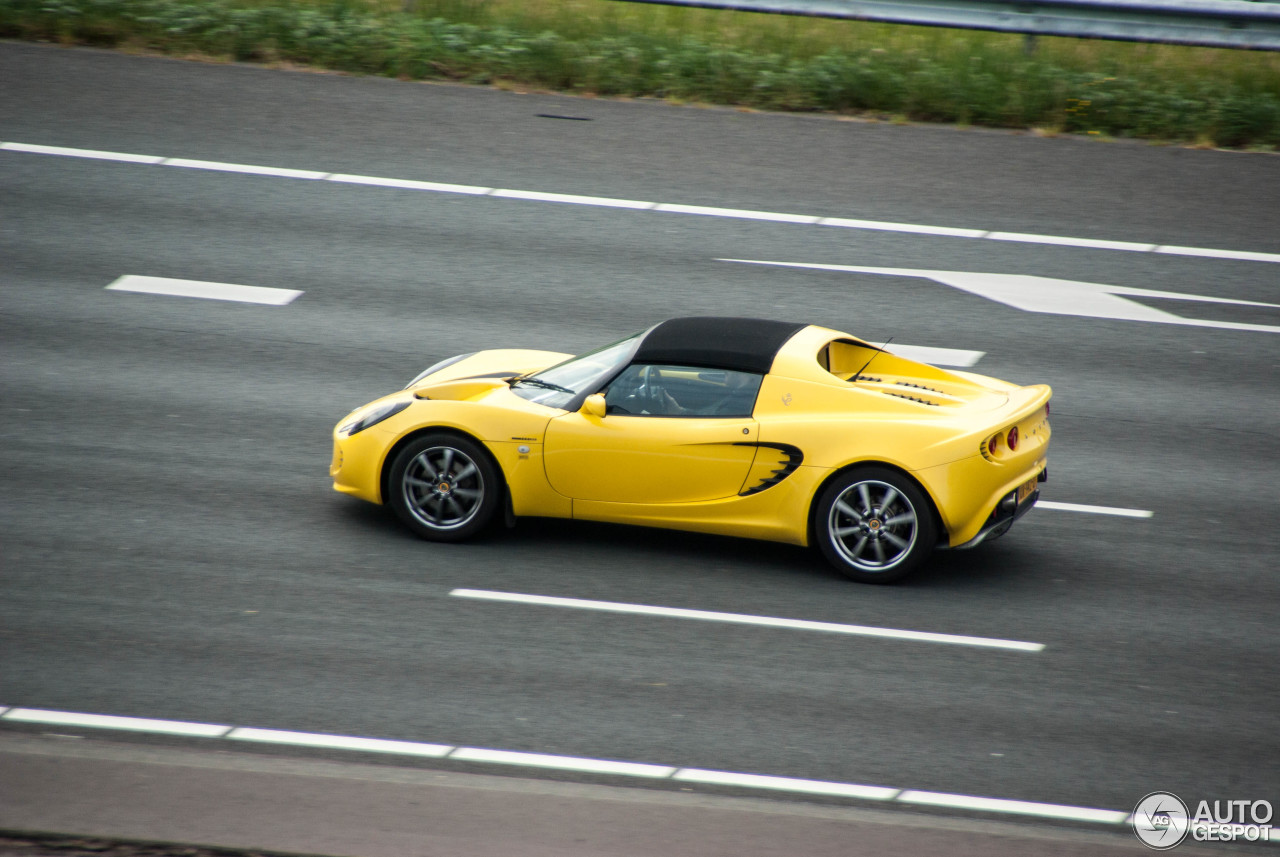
<point x="671" y="434"/>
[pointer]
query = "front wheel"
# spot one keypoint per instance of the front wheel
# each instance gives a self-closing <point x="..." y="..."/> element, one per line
<point x="874" y="525"/>
<point x="445" y="487"/>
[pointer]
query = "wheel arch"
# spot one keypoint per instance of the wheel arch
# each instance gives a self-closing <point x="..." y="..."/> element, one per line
<point x="384" y="471"/>
<point x="835" y="474"/>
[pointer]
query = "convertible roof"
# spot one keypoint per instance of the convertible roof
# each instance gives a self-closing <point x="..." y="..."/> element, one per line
<point x="743" y="344"/>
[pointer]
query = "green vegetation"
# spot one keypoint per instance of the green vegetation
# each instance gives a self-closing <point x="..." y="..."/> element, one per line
<point x="1158" y="92"/>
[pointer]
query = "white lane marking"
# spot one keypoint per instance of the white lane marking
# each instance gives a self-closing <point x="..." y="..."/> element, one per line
<point x="1017" y="807"/>
<point x="1093" y="243"/>
<point x="408" y="184"/>
<point x="1094" y="510"/>
<point x="250" y="169"/>
<point x="572" y="763"/>
<point x="1049" y="295"/>
<point x="742" y="619"/>
<point x="936" y="356"/>
<point x="562" y="763"/>
<point x="1242" y="255"/>
<point x="62" y="151"/>
<point x="571" y="199"/>
<point x="787" y="784"/>
<point x="108" y="721"/>
<point x="735" y="213"/>
<point x="339" y="742"/>
<point x="672" y="208"/>
<point x="915" y="228"/>
<point x="207" y="291"/>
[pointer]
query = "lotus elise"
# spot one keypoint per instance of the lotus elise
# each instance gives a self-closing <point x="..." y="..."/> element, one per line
<point x="744" y="427"/>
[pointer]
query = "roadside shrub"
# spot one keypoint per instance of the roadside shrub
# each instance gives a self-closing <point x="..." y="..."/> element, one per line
<point x="770" y="62"/>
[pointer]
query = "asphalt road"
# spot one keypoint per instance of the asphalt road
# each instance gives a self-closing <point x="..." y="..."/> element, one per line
<point x="171" y="547"/>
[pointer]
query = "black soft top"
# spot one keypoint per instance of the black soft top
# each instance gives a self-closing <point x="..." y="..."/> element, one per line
<point x="716" y="342"/>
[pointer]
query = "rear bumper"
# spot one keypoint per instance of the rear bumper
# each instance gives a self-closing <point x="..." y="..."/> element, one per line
<point x="1005" y="513"/>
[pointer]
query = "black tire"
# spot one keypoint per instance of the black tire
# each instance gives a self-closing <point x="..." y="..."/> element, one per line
<point x="445" y="487"/>
<point x="874" y="525"/>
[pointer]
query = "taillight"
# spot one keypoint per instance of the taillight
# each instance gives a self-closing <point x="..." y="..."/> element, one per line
<point x="994" y="444"/>
<point x="1013" y="439"/>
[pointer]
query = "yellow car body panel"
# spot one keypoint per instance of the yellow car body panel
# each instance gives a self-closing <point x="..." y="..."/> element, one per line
<point x="828" y="402"/>
<point x="637" y="459"/>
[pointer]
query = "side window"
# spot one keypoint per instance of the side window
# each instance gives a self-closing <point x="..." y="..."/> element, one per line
<point x="682" y="391"/>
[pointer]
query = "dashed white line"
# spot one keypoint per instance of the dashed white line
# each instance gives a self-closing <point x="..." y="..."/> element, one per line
<point x="201" y="289"/>
<point x="742" y="619"/>
<point x="109" y="721"/>
<point x="569" y="763"/>
<point x="339" y="742"/>
<point x="670" y="208"/>
<point x="1094" y="510"/>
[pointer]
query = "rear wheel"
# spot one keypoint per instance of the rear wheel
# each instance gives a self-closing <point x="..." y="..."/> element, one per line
<point x="445" y="487"/>
<point x="874" y="525"/>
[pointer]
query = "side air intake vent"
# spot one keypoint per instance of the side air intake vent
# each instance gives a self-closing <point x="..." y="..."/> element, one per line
<point x="787" y="459"/>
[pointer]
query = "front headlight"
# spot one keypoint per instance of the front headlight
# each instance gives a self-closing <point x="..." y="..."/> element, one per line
<point x="373" y="417"/>
<point x="437" y="367"/>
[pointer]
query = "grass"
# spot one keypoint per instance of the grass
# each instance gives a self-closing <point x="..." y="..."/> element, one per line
<point x="1197" y="96"/>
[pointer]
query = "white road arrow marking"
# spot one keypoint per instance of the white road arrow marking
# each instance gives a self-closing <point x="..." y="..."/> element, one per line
<point x="1049" y="295"/>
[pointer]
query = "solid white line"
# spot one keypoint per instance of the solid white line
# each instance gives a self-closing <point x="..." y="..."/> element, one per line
<point x="883" y="226"/>
<point x="1242" y="255"/>
<point x="207" y="291"/>
<point x="1094" y="510"/>
<point x="674" y="208"/>
<point x="339" y="742"/>
<point x="107" y="721"/>
<point x="741" y="619"/>
<point x="756" y="781"/>
<point x="562" y="763"/>
<point x="408" y="184"/>
<point x="81" y="153"/>
<point x="218" y="166"/>
<point x="1071" y="242"/>
<point x="604" y="201"/>
<point x="735" y="213"/>
<point x="1017" y="807"/>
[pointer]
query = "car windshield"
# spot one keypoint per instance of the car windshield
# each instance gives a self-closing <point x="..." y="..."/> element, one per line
<point x="561" y="384"/>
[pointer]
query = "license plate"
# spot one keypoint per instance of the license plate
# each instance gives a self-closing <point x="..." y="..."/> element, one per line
<point x="1027" y="488"/>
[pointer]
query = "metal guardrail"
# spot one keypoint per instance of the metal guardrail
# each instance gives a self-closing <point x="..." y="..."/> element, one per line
<point x="1240" y="24"/>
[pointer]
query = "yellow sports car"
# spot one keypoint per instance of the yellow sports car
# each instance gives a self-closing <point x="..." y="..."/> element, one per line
<point x="745" y="427"/>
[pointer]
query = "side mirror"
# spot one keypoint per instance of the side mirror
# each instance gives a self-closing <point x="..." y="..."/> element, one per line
<point x="594" y="406"/>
